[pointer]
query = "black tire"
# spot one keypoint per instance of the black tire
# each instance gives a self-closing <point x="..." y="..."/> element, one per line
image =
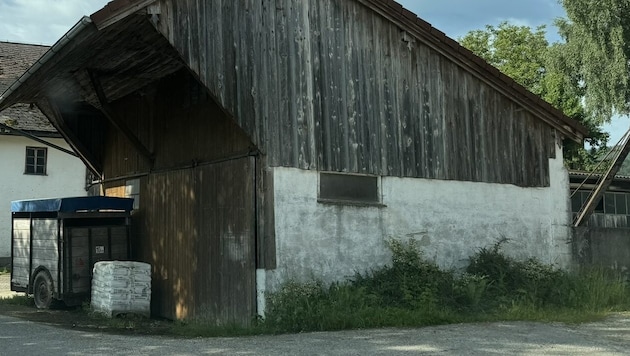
<point x="43" y="290"/>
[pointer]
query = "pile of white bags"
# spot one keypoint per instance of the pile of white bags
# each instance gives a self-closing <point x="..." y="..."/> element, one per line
<point x="121" y="287"/>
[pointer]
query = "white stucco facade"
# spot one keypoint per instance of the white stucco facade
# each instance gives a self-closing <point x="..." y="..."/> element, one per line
<point x="450" y="219"/>
<point x="65" y="177"/>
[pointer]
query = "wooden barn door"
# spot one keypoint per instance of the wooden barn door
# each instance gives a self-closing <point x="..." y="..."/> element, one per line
<point x="226" y="245"/>
<point x="198" y="231"/>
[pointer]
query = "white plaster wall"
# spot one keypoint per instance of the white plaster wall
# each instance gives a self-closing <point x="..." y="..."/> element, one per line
<point x="450" y="219"/>
<point x="65" y="177"/>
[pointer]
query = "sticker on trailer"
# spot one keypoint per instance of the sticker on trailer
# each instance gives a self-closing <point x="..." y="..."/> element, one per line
<point x="100" y="249"/>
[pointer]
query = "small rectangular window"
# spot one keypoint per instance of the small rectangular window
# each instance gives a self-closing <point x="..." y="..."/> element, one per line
<point x="609" y="203"/>
<point x="348" y="188"/>
<point x="576" y="202"/>
<point x="620" y="201"/>
<point x="36" y="158"/>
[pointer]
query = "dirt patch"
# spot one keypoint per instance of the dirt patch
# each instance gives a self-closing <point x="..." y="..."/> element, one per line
<point x="18" y="305"/>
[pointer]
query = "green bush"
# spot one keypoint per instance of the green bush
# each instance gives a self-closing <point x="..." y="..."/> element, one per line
<point x="413" y="291"/>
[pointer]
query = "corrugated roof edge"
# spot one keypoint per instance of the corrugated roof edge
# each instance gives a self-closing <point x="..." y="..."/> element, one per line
<point x="576" y="174"/>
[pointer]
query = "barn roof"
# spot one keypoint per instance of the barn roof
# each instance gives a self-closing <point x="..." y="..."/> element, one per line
<point x="131" y="53"/>
<point x="15" y="59"/>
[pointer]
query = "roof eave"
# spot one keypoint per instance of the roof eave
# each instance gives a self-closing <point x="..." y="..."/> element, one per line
<point x="7" y="98"/>
<point x="116" y="10"/>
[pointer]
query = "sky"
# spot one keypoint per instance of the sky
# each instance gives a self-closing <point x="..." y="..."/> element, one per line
<point x="45" y="21"/>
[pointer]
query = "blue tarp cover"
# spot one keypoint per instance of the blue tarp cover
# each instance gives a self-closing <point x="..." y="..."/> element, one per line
<point x="69" y="205"/>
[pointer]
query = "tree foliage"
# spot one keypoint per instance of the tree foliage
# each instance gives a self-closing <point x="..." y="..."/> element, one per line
<point x="597" y="53"/>
<point x="526" y="56"/>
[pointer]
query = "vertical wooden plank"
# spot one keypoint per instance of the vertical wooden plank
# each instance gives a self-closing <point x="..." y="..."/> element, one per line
<point x="391" y="130"/>
<point x="449" y="130"/>
<point x="377" y="125"/>
<point x="408" y="113"/>
<point x="362" y="65"/>
<point x="426" y="130"/>
<point x="437" y="105"/>
<point x="350" y="86"/>
<point x="284" y="133"/>
<point x="318" y="89"/>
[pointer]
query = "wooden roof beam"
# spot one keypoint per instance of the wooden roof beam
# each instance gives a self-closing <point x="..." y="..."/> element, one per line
<point x="109" y="113"/>
<point x="605" y="183"/>
<point x="53" y="114"/>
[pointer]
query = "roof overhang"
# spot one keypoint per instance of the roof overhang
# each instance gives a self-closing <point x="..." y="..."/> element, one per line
<point x="93" y="65"/>
<point x="126" y="57"/>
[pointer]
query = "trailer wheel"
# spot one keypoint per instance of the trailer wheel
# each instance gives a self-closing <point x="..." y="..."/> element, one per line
<point x="43" y="290"/>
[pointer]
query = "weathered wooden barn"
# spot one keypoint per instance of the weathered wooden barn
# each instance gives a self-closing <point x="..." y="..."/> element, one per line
<point x="267" y="140"/>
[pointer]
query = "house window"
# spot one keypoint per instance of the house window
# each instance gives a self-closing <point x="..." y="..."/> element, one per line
<point x="36" y="160"/>
<point x="350" y="188"/>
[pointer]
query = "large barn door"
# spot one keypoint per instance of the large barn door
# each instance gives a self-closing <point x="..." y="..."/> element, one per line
<point x="227" y="242"/>
<point x="198" y="231"/>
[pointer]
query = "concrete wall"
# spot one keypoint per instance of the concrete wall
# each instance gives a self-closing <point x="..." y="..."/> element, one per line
<point x="65" y="177"/>
<point x="450" y="219"/>
<point x="602" y="246"/>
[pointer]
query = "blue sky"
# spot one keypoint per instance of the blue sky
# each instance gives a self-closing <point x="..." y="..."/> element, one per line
<point x="45" y="21"/>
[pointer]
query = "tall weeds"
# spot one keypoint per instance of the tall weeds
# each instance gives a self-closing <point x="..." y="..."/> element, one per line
<point x="413" y="291"/>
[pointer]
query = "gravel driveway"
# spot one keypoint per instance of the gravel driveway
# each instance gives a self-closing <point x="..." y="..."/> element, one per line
<point x="610" y="337"/>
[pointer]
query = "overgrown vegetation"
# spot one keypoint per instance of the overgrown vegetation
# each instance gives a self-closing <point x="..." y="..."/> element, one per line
<point x="410" y="292"/>
<point x="415" y="292"/>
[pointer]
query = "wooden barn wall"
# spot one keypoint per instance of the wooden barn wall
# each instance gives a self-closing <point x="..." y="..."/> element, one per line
<point x="331" y="85"/>
<point x="177" y="121"/>
<point x="195" y="222"/>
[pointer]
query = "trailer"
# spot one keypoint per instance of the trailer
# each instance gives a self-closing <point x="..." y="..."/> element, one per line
<point x="56" y="242"/>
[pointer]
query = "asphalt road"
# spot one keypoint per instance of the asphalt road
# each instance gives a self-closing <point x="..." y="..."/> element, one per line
<point x="612" y="337"/>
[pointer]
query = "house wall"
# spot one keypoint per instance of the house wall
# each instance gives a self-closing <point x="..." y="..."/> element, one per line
<point x="451" y="220"/>
<point x="332" y="85"/>
<point x="65" y="178"/>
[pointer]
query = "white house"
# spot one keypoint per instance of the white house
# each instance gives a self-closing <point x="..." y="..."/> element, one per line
<point x="30" y="168"/>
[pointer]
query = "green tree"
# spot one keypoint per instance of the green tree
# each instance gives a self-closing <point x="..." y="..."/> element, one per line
<point x="597" y="53"/>
<point x="526" y="56"/>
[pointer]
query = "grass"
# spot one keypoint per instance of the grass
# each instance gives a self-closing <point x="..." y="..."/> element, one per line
<point x="414" y="292"/>
<point x="411" y="292"/>
<point x="17" y="300"/>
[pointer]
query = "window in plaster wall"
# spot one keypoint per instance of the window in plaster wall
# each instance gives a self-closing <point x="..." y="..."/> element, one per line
<point x="348" y="188"/>
<point x="36" y="160"/>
